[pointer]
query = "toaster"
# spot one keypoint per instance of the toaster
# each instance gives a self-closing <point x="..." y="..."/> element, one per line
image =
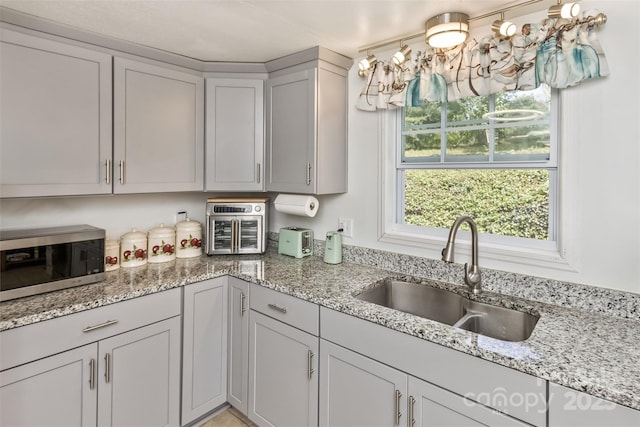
<point x="295" y="242"/>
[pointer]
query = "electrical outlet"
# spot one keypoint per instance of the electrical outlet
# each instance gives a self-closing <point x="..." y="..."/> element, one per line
<point x="346" y="225"/>
<point x="181" y="216"/>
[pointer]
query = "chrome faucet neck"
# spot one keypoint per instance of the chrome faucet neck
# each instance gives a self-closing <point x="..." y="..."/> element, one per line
<point x="472" y="276"/>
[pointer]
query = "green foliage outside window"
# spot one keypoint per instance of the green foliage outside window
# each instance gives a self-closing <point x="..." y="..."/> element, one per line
<point x="510" y="202"/>
<point x="509" y="198"/>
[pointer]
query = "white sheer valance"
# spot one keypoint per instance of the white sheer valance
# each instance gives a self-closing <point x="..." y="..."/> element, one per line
<point x="557" y="52"/>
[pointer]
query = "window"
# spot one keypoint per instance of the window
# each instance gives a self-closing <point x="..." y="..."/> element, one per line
<point x="493" y="158"/>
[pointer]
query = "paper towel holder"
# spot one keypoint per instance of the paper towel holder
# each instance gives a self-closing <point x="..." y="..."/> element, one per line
<point x="296" y="204"/>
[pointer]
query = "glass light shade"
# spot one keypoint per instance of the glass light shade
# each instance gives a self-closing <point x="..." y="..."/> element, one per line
<point x="504" y="28"/>
<point x="566" y="11"/>
<point x="402" y="55"/>
<point x="447" y="30"/>
<point x="367" y="62"/>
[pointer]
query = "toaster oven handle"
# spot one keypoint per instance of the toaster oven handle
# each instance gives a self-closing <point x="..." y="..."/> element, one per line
<point x="235" y="232"/>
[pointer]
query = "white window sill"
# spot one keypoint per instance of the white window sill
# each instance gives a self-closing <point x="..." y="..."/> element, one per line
<point x="491" y="255"/>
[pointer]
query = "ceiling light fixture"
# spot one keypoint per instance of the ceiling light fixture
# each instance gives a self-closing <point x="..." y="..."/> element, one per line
<point x="503" y="28"/>
<point x="447" y="29"/>
<point x="367" y="62"/>
<point x="402" y="55"/>
<point x="566" y="11"/>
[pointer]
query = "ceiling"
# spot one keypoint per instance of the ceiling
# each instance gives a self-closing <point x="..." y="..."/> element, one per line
<point x="249" y="30"/>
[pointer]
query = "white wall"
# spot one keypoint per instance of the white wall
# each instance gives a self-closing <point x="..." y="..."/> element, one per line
<point x="117" y="214"/>
<point x="600" y="122"/>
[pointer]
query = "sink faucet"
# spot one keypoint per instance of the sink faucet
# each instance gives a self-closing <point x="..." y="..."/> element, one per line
<point x="471" y="272"/>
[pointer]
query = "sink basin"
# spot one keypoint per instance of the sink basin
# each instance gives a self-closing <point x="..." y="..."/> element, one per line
<point x="452" y="309"/>
<point x="496" y="322"/>
<point x="420" y="300"/>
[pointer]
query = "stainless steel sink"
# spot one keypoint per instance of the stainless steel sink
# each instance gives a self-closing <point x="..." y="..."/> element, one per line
<point x="420" y="300"/>
<point x="452" y="309"/>
<point x="496" y="322"/>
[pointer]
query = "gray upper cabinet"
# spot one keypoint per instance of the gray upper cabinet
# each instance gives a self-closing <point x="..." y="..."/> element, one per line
<point x="234" y="134"/>
<point x="158" y="128"/>
<point x="306" y="136"/>
<point x="55" y="126"/>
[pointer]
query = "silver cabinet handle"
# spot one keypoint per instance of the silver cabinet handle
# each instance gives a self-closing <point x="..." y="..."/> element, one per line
<point x="107" y="368"/>
<point x="258" y="172"/>
<point x="242" y="309"/>
<point x="310" y="363"/>
<point x="92" y="374"/>
<point x="121" y="171"/>
<point x="308" y="173"/>
<point x="412" y="403"/>
<point x="108" y="171"/>
<point x="398" y="413"/>
<point x="101" y="325"/>
<point x="278" y="308"/>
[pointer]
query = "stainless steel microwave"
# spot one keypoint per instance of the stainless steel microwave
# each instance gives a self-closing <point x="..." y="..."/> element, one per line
<point x="34" y="261"/>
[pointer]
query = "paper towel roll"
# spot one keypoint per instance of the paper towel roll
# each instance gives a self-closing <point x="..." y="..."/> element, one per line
<point x="294" y="204"/>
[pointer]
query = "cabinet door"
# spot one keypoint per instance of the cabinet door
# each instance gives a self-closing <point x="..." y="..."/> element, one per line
<point x="59" y="390"/>
<point x="283" y="379"/>
<point x="204" y="364"/>
<point x="55" y="126"/>
<point x="238" y="359"/>
<point x="431" y="406"/>
<point x="139" y="374"/>
<point x="158" y="129"/>
<point x="357" y="391"/>
<point x="234" y="135"/>
<point x="291" y="112"/>
<point x="569" y="407"/>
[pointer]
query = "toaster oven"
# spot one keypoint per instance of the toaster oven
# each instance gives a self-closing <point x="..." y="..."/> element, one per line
<point x="236" y="226"/>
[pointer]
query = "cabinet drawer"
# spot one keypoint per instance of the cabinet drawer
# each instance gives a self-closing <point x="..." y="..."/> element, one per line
<point x="28" y="343"/>
<point x="291" y="310"/>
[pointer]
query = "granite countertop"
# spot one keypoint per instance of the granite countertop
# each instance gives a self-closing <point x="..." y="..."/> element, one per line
<point x="582" y="350"/>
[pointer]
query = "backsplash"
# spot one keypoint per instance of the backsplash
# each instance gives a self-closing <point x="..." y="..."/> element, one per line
<point x="594" y="299"/>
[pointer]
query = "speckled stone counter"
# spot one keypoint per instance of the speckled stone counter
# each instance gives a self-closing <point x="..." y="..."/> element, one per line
<point x="587" y="350"/>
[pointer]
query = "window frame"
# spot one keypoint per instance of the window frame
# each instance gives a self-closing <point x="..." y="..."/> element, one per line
<point x="505" y="249"/>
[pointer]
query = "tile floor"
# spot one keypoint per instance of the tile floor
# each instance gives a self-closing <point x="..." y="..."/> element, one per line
<point x="228" y="418"/>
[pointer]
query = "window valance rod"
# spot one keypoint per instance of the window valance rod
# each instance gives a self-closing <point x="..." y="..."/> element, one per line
<point x="397" y="40"/>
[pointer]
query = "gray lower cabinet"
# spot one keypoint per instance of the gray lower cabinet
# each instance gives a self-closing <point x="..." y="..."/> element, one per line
<point x="283" y="378"/>
<point x="432" y="406"/>
<point x="55" y="126"/>
<point x="129" y="379"/>
<point x="59" y="390"/>
<point x="158" y="126"/>
<point x="110" y="366"/>
<point x="204" y="358"/>
<point x="569" y="407"/>
<point x="460" y="384"/>
<point x="139" y="376"/>
<point x="306" y="137"/>
<point x="238" y="345"/>
<point x="234" y="146"/>
<point x="358" y="391"/>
